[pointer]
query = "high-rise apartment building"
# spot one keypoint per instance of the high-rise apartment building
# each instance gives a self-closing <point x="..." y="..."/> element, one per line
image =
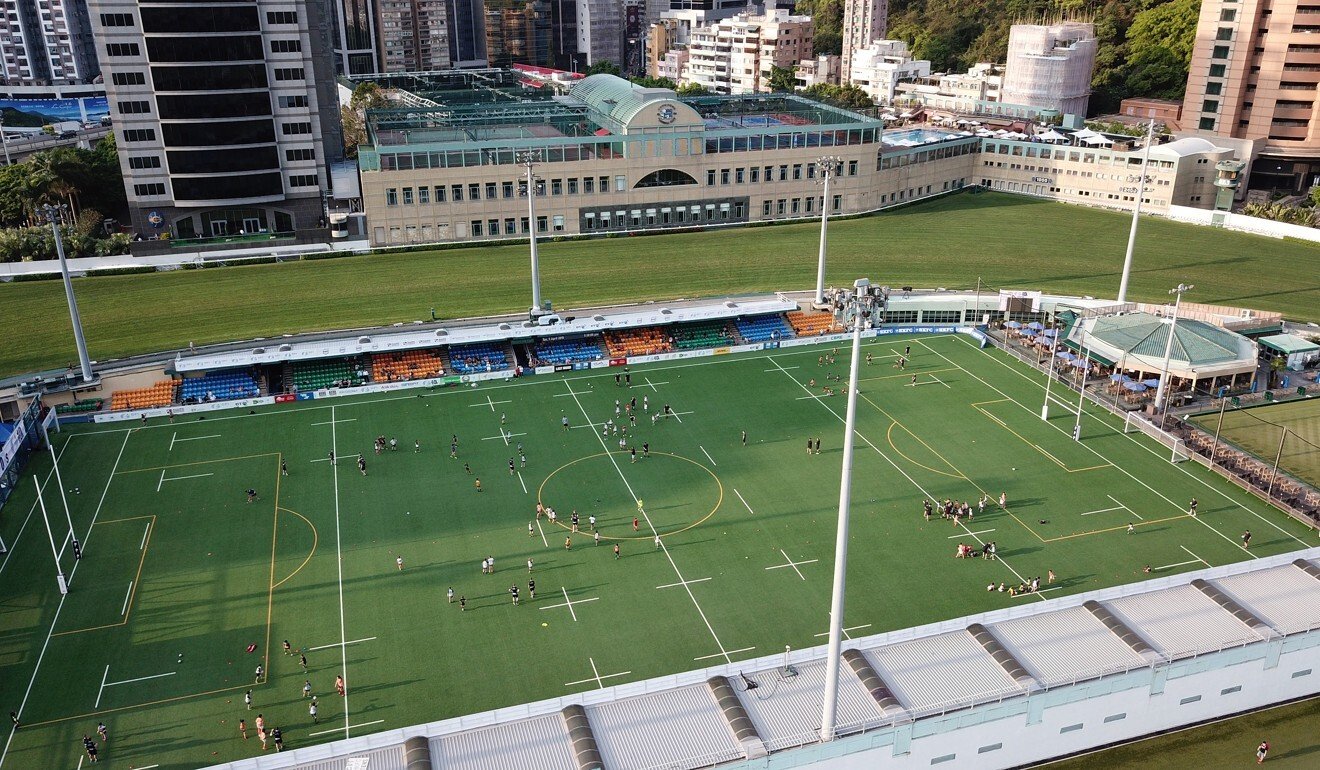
<point x="467" y="33"/>
<point x="863" y="21"/>
<point x="882" y="65"/>
<point x="1049" y="66"/>
<point x="1254" y="74"/>
<point x="600" y="31"/>
<point x="413" y="35"/>
<point x="355" y="42"/>
<point x="661" y="36"/>
<point x="46" y="42"/>
<point x="225" y="112"/>
<point x="736" y="56"/>
<point x="519" y="32"/>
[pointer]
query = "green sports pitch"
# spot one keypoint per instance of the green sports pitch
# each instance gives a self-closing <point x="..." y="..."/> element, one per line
<point x="1289" y="431"/>
<point x="182" y="574"/>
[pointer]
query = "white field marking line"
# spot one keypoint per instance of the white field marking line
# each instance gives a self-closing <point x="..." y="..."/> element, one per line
<point x="846" y="630"/>
<point x="320" y="460"/>
<point x="327" y="422"/>
<point x="1093" y="451"/>
<point x="808" y="397"/>
<point x="722" y="654"/>
<point x="1179" y="564"/>
<point x="651" y="526"/>
<point x="1194" y="556"/>
<point x="978" y="532"/>
<point x="569" y="603"/>
<point x="489" y="403"/>
<point x="904" y="474"/>
<point x="127" y="594"/>
<point x="162" y="479"/>
<point x="80" y="760"/>
<point x="197" y="438"/>
<point x="598" y="677"/>
<point x="1186" y="472"/>
<point x="337" y="644"/>
<point x="942" y="382"/>
<point x="503" y="436"/>
<point x="327" y="732"/>
<point x="744" y="502"/>
<point x="147" y="767"/>
<point x="145" y="532"/>
<point x="793" y="564"/>
<point x="194" y="476"/>
<point x="570" y="392"/>
<point x="683" y="583"/>
<point x="339" y="561"/>
<point x="1105" y="510"/>
<point x="524" y="383"/>
<point x="542" y="531"/>
<point x="141" y="678"/>
<point x="707" y="454"/>
<point x="172" y="439"/>
<point x="651" y="385"/>
<point x="787" y="367"/>
<point x="1041" y="591"/>
<point x="520" y="481"/>
<point x="32" y="510"/>
<point x="101" y="689"/>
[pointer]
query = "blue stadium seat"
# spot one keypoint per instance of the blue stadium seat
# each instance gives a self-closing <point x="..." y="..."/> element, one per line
<point x="222" y="386"/>
<point x="478" y="357"/>
<point x="764" y="328"/>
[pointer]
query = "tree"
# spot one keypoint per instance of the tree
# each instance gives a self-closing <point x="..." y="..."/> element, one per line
<point x="604" y="67"/>
<point x="368" y="95"/>
<point x="849" y="97"/>
<point x="692" y="89"/>
<point x="782" y="79"/>
<point x="650" y="82"/>
<point x="355" y="130"/>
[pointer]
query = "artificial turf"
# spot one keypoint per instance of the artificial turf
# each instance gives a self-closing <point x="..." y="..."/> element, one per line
<point x="1260" y="430"/>
<point x="158" y="620"/>
<point x="1007" y="241"/>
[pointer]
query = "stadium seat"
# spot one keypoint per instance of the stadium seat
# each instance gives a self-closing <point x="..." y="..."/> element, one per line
<point x="158" y="395"/>
<point x="406" y="365"/>
<point x="313" y="375"/>
<point x="646" y="341"/>
<point x="701" y="334"/>
<point x="763" y="328"/>
<point x="569" y="351"/>
<point x="219" y="386"/>
<point x="478" y="357"/>
<point x="81" y="407"/>
<point x="812" y="324"/>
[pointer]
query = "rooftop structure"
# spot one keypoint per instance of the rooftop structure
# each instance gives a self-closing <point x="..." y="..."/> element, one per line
<point x="1049" y="66"/>
<point x="925" y="695"/>
<point x="879" y="67"/>
<point x="1137" y="342"/>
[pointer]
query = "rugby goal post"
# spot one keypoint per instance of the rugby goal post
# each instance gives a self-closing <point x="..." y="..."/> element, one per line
<point x="1134" y="422"/>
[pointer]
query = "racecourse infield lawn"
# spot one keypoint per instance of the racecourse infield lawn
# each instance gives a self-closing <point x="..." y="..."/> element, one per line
<point x="1007" y="241"/>
<point x="182" y="574"/>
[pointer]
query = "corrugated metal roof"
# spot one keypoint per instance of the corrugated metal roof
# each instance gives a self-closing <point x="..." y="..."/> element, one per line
<point x="1181" y="621"/>
<point x="672" y="729"/>
<point x="377" y="759"/>
<point x="786" y="709"/>
<point x="528" y="744"/>
<point x="1145" y="334"/>
<point x="1285" y="597"/>
<point x="1066" y="645"/>
<point x="941" y="671"/>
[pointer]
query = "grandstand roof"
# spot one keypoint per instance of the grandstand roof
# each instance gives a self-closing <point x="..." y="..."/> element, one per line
<point x="1138" y="340"/>
<point x="683" y="722"/>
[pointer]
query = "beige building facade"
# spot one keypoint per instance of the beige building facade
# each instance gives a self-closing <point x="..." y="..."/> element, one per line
<point x="863" y="21"/>
<point x="736" y="56"/>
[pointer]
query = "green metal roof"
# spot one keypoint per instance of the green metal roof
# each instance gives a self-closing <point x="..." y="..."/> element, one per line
<point x="1288" y="343"/>
<point x="1144" y="334"/>
<point x="614" y="99"/>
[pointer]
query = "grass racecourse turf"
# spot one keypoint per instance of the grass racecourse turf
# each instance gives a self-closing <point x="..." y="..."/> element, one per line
<point x="181" y="574"/>
<point x="1008" y="241"/>
<point x="1259" y="430"/>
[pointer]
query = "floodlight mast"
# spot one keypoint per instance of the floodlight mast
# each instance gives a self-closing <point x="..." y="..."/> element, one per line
<point x="860" y="306"/>
<point x="52" y="214"/>
<point x="827" y="165"/>
<point x="1162" y="391"/>
<point x="1136" y="214"/>
<point x="528" y="160"/>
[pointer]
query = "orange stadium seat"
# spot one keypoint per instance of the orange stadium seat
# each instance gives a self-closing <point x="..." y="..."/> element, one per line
<point x="636" y="342"/>
<point x="160" y="394"/>
<point x="406" y="365"/>
<point x="812" y="324"/>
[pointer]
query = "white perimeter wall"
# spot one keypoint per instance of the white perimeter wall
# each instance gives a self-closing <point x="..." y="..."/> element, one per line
<point x="1243" y="223"/>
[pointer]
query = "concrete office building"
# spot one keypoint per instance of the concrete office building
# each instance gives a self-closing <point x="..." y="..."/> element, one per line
<point x="879" y="67"/>
<point x="467" y="32"/>
<point x="225" y="113"/>
<point x="413" y="35"/>
<point x="971" y="92"/>
<point x="822" y="70"/>
<point x="519" y="32"/>
<point x="355" y="41"/>
<point x="600" y="31"/>
<point x="661" y="36"/>
<point x="694" y="14"/>
<point x="1049" y="66"/>
<point x="863" y="21"/>
<point x="736" y="56"/>
<point x="1254" y="72"/>
<point x="673" y="63"/>
<point x="46" y="42"/>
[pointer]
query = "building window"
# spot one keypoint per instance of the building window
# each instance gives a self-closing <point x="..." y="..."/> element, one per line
<point x="783" y="173"/>
<point x="145" y="161"/>
<point x="116" y="20"/>
<point x="510" y="226"/>
<point x="296" y="129"/>
<point x="391" y="196"/>
<point x="796" y="206"/>
<point x="457" y="191"/>
<point x="710" y="177"/>
<point x="1224" y="33"/>
<point x="439" y="193"/>
<point x="474" y="191"/>
<point x="129" y="78"/>
<point x="573" y="186"/>
<point x="740" y="176"/>
<point x="558" y="222"/>
<point x="139" y="135"/>
<point x="1115" y="718"/>
<point x="492" y="227"/>
<point x="1210" y="105"/>
<point x="286" y="46"/>
<point x="155" y="188"/>
<point x="990" y="748"/>
<point x="837" y="203"/>
<point x="1189" y="699"/>
<point x="588" y="185"/>
<point x="291" y="102"/>
<point x="556" y="187"/>
<point x="1217" y="70"/>
<point x="797" y="171"/>
<point x="1228" y="14"/>
<point x="134" y="108"/>
<point x="603" y="184"/>
<point x="490" y="191"/>
<point x="407" y="196"/>
<point x="282" y="17"/>
<point x="542" y="224"/>
<point x="423" y="194"/>
<point x="309" y="180"/>
<point x="475" y="225"/>
<point x="1219" y="52"/>
<point x="300" y="153"/>
<point x="620" y="184"/>
<point x="765" y="208"/>
<point x="1213" y="88"/>
<point x="122" y="49"/>
<point x="852" y="168"/>
<point x="779" y="206"/>
<point x="289" y="73"/>
<point x="1070" y="728"/>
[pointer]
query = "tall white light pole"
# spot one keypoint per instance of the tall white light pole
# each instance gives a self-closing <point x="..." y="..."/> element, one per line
<point x="1049" y="378"/>
<point x="54" y="458"/>
<point x="860" y="307"/>
<point x="52" y="214"/>
<point x="1168" y="346"/>
<point x="1136" y="214"/>
<point x="1081" y="398"/>
<point x="59" y="573"/>
<point x="827" y="166"/>
<point x="528" y="161"/>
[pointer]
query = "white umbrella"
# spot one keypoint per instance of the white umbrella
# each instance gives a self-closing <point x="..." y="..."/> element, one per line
<point x="1051" y="136"/>
<point x="964" y="133"/>
<point x="906" y="114"/>
<point x="961" y="122"/>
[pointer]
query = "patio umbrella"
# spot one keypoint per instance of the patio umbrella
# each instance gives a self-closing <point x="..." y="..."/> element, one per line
<point x="1065" y="355"/>
<point x="961" y="121"/>
<point x="1153" y="382"/>
<point x="1013" y="325"/>
<point x="1035" y="325"/>
<point x="1081" y="363"/>
<point x="1049" y="332"/>
<point x="1135" y="387"/>
<point x="1117" y="377"/>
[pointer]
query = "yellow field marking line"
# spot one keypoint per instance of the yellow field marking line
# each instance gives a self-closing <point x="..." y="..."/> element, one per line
<point x="199" y="462"/>
<point x="889" y="436"/>
<point x="98" y="712"/>
<point x="270" y="593"/>
<point x="1038" y="447"/>
<point x="310" y="554"/>
<point x="137" y="579"/>
<point x="1115" y="529"/>
<point x="907" y="375"/>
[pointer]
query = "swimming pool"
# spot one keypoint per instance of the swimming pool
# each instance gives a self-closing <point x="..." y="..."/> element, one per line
<point x="909" y="137"/>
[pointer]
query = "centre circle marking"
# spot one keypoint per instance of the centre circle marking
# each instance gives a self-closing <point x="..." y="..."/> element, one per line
<point x="580" y="531"/>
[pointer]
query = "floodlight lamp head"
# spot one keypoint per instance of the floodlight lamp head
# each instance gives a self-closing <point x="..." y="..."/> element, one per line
<point x="861" y="284"/>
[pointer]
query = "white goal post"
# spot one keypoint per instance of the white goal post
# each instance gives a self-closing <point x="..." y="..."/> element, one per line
<point x="1134" y="422"/>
